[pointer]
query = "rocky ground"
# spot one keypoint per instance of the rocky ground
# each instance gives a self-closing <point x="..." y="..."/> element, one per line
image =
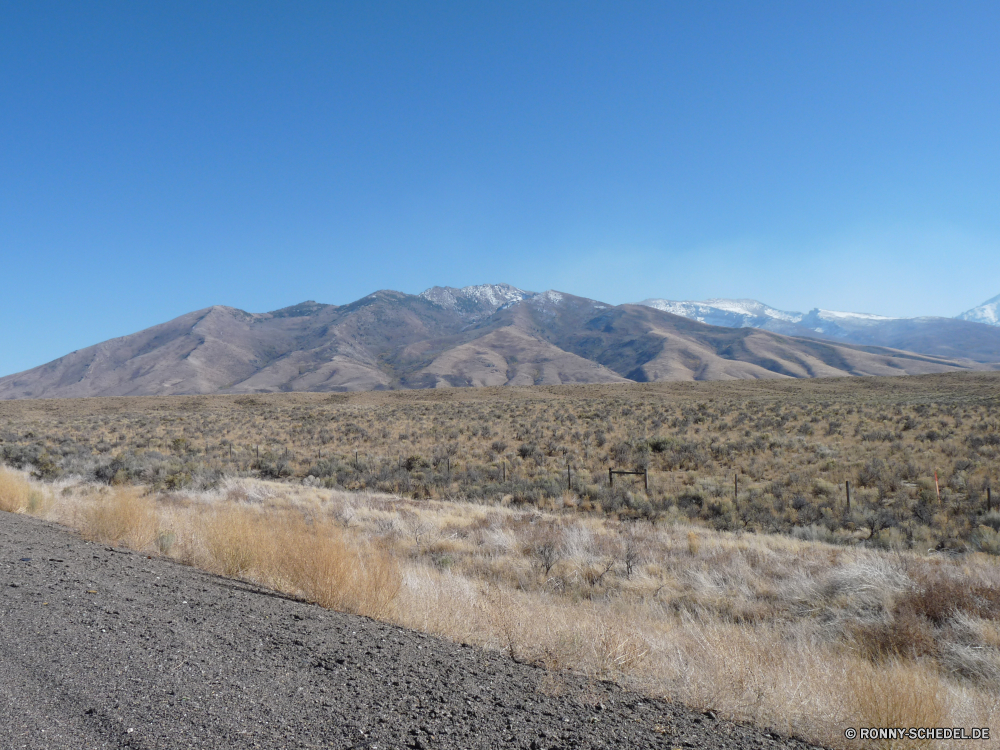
<point x="102" y="648"/>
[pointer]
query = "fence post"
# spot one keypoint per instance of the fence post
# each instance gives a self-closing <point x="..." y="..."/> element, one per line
<point x="989" y="499"/>
<point x="645" y="479"/>
<point x="611" y="478"/>
<point x="847" y="484"/>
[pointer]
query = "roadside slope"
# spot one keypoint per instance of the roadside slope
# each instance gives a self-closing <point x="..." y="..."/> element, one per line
<point x="113" y="649"/>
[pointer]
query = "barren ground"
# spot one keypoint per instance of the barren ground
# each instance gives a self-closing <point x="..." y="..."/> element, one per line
<point x="105" y="648"/>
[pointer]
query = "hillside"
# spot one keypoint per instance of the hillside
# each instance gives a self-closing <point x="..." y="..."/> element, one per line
<point x="475" y="336"/>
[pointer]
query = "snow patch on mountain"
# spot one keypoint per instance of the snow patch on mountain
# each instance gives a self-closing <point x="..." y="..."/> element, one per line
<point x="477" y="301"/>
<point x="731" y="313"/>
<point x="749" y="313"/>
<point x="859" y="317"/>
<point x="988" y="313"/>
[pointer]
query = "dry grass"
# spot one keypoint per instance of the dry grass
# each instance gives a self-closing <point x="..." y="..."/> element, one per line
<point x="16" y="492"/>
<point x="315" y="560"/>
<point x="897" y="695"/>
<point x="792" y="445"/>
<point x="122" y="516"/>
<point x="769" y="629"/>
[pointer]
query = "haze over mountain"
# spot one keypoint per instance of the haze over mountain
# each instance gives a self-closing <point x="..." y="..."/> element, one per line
<point x="491" y="334"/>
<point x="973" y="335"/>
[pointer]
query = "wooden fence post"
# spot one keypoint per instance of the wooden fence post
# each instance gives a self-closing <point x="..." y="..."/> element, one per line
<point x="611" y="478"/>
<point x="847" y="485"/>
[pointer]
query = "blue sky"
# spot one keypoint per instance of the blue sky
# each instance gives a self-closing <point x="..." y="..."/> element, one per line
<point x="158" y="158"/>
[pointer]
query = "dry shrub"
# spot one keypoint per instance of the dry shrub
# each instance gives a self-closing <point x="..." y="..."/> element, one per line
<point x="327" y="566"/>
<point x="907" y="634"/>
<point x="236" y="542"/>
<point x="507" y="617"/>
<point x="619" y="650"/>
<point x="122" y="516"/>
<point x="896" y="695"/>
<point x="15" y="492"/>
<point x="318" y="561"/>
<point x="940" y="596"/>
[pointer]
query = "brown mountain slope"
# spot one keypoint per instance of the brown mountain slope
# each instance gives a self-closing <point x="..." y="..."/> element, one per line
<point x="394" y="340"/>
<point x="308" y="347"/>
<point x="645" y="344"/>
<point x="509" y="356"/>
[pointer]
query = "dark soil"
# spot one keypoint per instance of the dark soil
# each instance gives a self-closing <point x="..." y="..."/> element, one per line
<point x="102" y="648"/>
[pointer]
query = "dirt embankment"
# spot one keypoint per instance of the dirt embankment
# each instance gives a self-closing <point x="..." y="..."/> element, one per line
<point x="109" y="649"/>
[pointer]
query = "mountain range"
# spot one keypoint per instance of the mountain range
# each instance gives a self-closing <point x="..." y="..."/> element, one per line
<point x="971" y="335"/>
<point x="497" y="334"/>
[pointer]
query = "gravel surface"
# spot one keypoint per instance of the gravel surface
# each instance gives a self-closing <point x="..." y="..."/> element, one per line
<point x="110" y="649"/>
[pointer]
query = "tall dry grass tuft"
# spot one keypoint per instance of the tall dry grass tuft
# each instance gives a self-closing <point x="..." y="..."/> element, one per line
<point x="330" y="568"/>
<point x="316" y="560"/>
<point x="897" y="695"/>
<point x="235" y="541"/>
<point x="123" y="516"/>
<point x="15" y="492"/>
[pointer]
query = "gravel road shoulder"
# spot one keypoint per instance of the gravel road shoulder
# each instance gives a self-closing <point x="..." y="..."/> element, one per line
<point x="109" y="649"/>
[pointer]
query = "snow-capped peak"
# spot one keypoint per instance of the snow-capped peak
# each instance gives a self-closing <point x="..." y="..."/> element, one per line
<point x="752" y="307"/>
<point x="988" y="313"/>
<point x="476" y="301"/>
<point x="726" y="312"/>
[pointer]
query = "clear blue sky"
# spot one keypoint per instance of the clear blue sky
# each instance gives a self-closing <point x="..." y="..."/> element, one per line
<point x="157" y="158"/>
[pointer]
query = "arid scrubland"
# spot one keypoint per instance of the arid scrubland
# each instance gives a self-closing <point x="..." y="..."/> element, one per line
<point x="801" y="636"/>
<point x="921" y="453"/>
<point x="765" y="597"/>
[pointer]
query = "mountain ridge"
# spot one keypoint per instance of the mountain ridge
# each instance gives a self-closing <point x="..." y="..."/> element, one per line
<point x="964" y="336"/>
<point x="448" y="337"/>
